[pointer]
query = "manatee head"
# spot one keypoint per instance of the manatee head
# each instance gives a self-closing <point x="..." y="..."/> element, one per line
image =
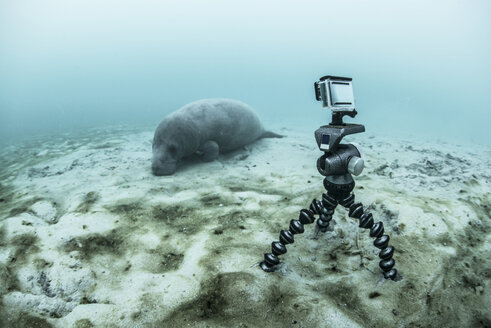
<point x="166" y="154"/>
<point x="174" y="139"/>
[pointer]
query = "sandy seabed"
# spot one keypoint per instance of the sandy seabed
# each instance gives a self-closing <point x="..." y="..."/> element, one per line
<point x="90" y="238"/>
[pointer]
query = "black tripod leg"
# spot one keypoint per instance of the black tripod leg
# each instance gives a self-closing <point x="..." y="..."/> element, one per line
<point x="325" y="211"/>
<point x="286" y="237"/>
<point x="376" y="231"/>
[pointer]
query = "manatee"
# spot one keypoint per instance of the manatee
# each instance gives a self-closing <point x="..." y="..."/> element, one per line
<point x="205" y="127"/>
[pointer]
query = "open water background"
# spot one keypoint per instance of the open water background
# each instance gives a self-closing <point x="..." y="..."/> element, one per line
<point x="420" y="69"/>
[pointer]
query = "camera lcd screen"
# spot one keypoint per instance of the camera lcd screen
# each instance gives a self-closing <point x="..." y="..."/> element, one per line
<point x="341" y="94"/>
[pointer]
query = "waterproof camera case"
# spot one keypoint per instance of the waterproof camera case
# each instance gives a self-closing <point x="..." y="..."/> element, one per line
<point x="335" y="92"/>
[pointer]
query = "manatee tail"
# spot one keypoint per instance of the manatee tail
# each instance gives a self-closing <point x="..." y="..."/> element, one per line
<point x="269" y="134"/>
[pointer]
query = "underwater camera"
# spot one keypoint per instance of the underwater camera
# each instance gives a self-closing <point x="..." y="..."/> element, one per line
<point x="338" y="163"/>
<point x="335" y="92"/>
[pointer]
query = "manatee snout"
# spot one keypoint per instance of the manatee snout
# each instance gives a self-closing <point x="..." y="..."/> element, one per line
<point x="163" y="168"/>
<point x="163" y="163"/>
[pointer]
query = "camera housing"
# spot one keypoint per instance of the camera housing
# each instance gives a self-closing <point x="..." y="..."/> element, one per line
<point x="336" y="93"/>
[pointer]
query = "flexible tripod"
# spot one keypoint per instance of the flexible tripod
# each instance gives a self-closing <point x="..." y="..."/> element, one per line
<point x="337" y="164"/>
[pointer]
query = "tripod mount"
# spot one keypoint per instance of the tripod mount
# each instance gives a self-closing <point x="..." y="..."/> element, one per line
<point x="338" y="163"/>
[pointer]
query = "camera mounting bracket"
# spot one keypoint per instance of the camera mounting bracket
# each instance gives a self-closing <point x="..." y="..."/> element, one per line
<point x="329" y="136"/>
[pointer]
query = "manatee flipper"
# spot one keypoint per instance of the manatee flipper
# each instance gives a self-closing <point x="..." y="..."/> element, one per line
<point x="209" y="150"/>
<point x="269" y="134"/>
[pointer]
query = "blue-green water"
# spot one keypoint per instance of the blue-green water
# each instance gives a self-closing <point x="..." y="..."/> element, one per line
<point x="90" y="237"/>
<point x="419" y="68"/>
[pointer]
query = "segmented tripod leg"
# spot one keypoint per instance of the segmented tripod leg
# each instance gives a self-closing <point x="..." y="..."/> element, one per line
<point x="325" y="210"/>
<point x="286" y="237"/>
<point x="377" y="232"/>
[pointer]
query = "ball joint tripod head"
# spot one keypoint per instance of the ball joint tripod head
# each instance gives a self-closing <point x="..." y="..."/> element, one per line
<point x="337" y="164"/>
